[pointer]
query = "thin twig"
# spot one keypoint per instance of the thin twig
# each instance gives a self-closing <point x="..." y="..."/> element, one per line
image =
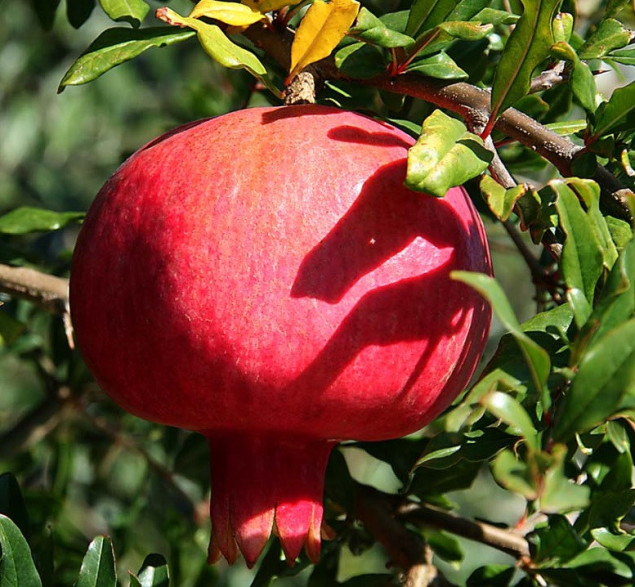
<point x="47" y="291"/>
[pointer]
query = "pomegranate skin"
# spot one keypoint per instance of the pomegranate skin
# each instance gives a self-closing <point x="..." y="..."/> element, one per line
<point x="265" y="278"/>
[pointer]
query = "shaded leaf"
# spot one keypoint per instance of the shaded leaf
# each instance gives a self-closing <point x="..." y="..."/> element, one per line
<point x="269" y="5"/>
<point x="558" y="493"/>
<point x="16" y="563"/>
<point x="536" y="357"/>
<point x="604" y="383"/>
<point x="98" y="566"/>
<point x="320" y="31"/>
<point x="610" y="34"/>
<point x="495" y="575"/>
<point x="10" y="331"/>
<point x="445" y="546"/>
<point x="582" y="80"/>
<point x="116" y="46"/>
<point x="513" y="474"/>
<point x="370" y="29"/>
<point x="132" y="11"/>
<point x="26" y="219"/>
<point x="615" y="115"/>
<point x="526" y="48"/>
<point x="228" y="12"/>
<point x="555" y="541"/>
<point x="445" y="155"/>
<point x="616" y="542"/>
<point x="45" y="11"/>
<point x="440" y="66"/>
<point x="78" y="11"/>
<point x="12" y="503"/>
<point x="360" y="60"/>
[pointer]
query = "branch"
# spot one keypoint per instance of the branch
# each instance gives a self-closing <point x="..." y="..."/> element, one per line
<point x="384" y="516"/>
<point x="47" y="291"/>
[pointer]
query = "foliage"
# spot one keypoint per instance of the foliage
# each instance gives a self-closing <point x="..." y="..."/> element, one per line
<point x="501" y="95"/>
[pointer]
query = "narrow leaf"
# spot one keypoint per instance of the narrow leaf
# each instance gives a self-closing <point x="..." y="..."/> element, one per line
<point x="535" y="356"/>
<point x="582" y="258"/>
<point x="98" y="566"/>
<point x="26" y="219"/>
<point x="132" y="11"/>
<point x="322" y="28"/>
<point x="526" y="48"/>
<point x="604" y="383"/>
<point x="617" y="114"/>
<point x="218" y="46"/>
<point x="426" y="14"/>
<point x="227" y="12"/>
<point x="445" y="155"/>
<point x="510" y="411"/>
<point x="624" y="56"/>
<point x="16" y="563"/>
<point x="116" y="46"/>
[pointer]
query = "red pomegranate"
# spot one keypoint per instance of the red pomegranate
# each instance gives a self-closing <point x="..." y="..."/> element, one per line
<point x="264" y="278"/>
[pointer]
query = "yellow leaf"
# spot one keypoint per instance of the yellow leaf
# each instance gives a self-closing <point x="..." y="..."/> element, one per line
<point x="227" y="12"/>
<point x="322" y="28"/>
<point x="269" y="5"/>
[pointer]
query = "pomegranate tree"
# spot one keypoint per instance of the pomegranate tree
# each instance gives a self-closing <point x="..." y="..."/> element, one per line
<point x="264" y="278"/>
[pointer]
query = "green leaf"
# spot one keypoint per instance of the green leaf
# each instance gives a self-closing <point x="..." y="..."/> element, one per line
<point x="445" y="155"/>
<point x="610" y="34"/>
<point x="567" y="127"/>
<point x="45" y="11"/>
<point x="555" y="541"/>
<point x="132" y="11"/>
<point x="504" y="407"/>
<point x="535" y="356"/>
<point x="615" y="115"/>
<point x="616" y="542"/>
<point x="558" y="493"/>
<point x="440" y="66"/>
<point x="563" y="27"/>
<point x="154" y="572"/>
<point x="26" y="219"/>
<point x="513" y="474"/>
<point x="624" y="56"/>
<point x="527" y="47"/>
<point x="98" y="566"/>
<point x="466" y="31"/>
<point x="445" y="546"/>
<point x="495" y="575"/>
<point x="582" y="80"/>
<point x="218" y="46"/>
<point x="426" y="14"/>
<point x="360" y="60"/>
<point x="499" y="200"/>
<point x="494" y="16"/>
<point x="16" y="563"/>
<point x="582" y="258"/>
<point x="370" y="29"/>
<point x="604" y="383"/>
<point x="116" y="46"/>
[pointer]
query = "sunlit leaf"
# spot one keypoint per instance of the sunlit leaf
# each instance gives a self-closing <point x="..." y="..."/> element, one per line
<point x="500" y="201"/>
<point x="563" y="27"/>
<point x="16" y="563"/>
<point x="445" y="155"/>
<point x="371" y="29"/>
<point x="98" y="565"/>
<point x="154" y="572"/>
<point x="582" y="80"/>
<point x="116" y="46"/>
<point x="526" y="48"/>
<point x="228" y="12"/>
<point x="612" y="541"/>
<point x="624" y="56"/>
<point x="26" y="219"/>
<point x="513" y="474"/>
<point x="132" y="11"/>
<point x="467" y="31"/>
<point x="440" y="65"/>
<point x="493" y="16"/>
<point x="558" y="493"/>
<point x="218" y="46"/>
<point x="603" y="385"/>
<point x="610" y="34"/>
<point x="506" y="408"/>
<point x="322" y="28"/>
<point x="269" y="5"/>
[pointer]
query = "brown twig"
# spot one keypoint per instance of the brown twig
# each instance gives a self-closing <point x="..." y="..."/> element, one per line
<point x="47" y="291"/>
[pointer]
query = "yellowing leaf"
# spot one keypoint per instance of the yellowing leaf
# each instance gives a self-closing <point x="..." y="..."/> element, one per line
<point x="263" y="6"/>
<point x="322" y="28"/>
<point x="227" y="12"/>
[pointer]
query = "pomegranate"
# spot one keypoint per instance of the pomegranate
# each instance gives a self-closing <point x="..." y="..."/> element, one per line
<point x="264" y="278"/>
